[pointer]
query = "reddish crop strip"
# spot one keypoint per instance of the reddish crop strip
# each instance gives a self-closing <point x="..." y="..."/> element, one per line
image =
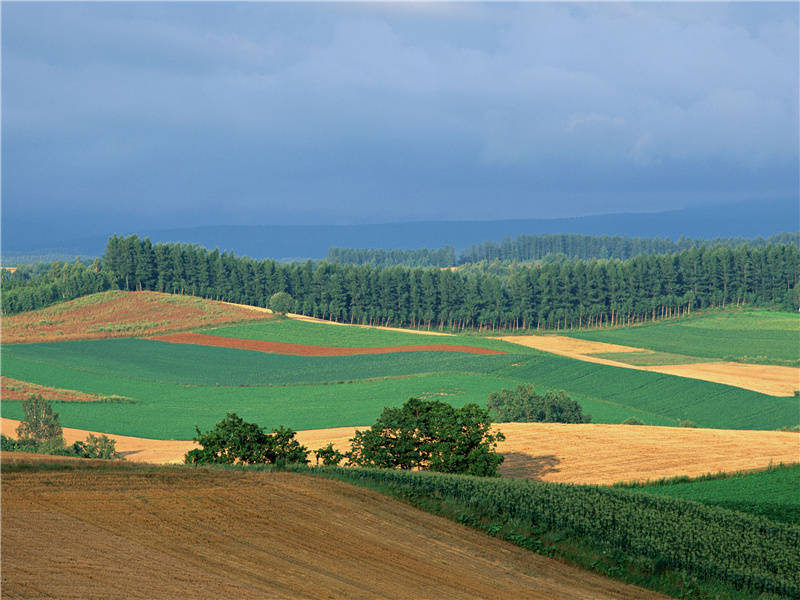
<point x="201" y="339"/>
<point x="13" y="389"/>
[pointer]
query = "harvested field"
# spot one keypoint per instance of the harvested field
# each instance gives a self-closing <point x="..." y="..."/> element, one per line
<point x="587" y="453"/>
<point x="606" y="454"/>
<point x="120" y="314"/>
<point x="201" y="339"/>
<point x="132" y="448"/>
<point x="766" y="379"/>
<point x="186" y="532"/>
<point x="12" y="389"/>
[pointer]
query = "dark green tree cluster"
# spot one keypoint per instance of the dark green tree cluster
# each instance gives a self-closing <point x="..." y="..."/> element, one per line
<point x="552" y="296"/>
<point x="378" y="257"/>
<point x="33" y="287"/>
<point x="430" y="435"/>
<point x="585" y="247"/>
<point x="235" y="441"/>
<point x="524" y="405"/>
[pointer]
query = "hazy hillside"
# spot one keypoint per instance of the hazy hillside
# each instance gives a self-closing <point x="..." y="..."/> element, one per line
<point x="313" y="241"/>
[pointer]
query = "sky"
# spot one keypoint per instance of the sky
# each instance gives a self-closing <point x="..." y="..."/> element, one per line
<point x="187" y="114"/>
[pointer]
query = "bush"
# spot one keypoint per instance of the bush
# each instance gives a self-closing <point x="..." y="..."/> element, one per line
<point x="686" y="423"/>
<point x="96" y="447"/>
<point x="234" y="441"/>
<point x="525" y="405"/>
<point x="633" y="421"/>
<point x="281" y="303"/>
<point x="329" y="455"/>
<point x="430" y="435"/>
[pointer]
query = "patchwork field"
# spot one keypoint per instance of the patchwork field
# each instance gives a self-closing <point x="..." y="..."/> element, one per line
<point x="772" y="493"/>
<point x="567" y="453"/>
<point x="201" y="339"/>
<point x="120" y="314"/>
<point x="167" y="533"/>
<point x="752" y="336"/>
<point x="773" y="380"/>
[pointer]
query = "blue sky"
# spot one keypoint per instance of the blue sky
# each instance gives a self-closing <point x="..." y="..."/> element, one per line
<point x="258" y="113"/>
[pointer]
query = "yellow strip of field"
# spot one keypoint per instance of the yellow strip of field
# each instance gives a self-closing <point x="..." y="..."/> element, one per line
<point x="585" y="453"/>
<point x="766" y="379"/>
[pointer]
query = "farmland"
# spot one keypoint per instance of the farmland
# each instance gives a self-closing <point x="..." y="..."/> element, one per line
<point x="743" y="336"/>
<point x="557" y="452"/>
<point x="120" y="314"/>
<point x="772" y="493"/>
<point x="304" y="537"/>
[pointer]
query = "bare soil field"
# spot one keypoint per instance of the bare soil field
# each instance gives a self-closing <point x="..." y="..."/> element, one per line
<point x="586" y="453"/>
<point x="197" y="533"/>
<point x="120" y="314"/>
<point x="13" y="389"/>
<point x="202" y="339"/>
<point x="766" y="379"/>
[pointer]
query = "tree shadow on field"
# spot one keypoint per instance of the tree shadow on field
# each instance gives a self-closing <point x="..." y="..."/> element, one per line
<point x="527" y="466"/>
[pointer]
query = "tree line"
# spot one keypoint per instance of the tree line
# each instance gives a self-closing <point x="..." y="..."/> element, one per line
<point x="578" y="293"/>
<point x="557" y="247"/>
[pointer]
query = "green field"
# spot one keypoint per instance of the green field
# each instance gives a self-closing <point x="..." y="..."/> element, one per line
<point x="176" y="386"/>
<point x="323" y="334"/>
<point x="774" y="493"/>
<point x="744" y="336"/>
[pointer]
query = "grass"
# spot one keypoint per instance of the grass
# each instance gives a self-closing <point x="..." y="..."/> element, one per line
<point x="743" y="335"/>
<point x="321" y="334"/>
<point x="188" y="364"/>
<point x="773" y="493"/>
<point x="176" y="386"/>
<point x="647" y="359"/>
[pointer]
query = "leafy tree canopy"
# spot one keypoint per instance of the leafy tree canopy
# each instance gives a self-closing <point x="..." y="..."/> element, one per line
<point x="281" y="302"/>
<point x="233" y="440"/>
<point x="430" y="435"/>
<point x="40" y="424"/>
<point x="525" y="405"/>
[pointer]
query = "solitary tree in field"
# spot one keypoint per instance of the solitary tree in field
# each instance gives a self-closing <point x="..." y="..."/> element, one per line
<point x="40" y="424"/>
<point x="281" y="303"/>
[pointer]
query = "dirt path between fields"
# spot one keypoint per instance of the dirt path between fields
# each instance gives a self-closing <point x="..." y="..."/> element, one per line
<point x="202" y="339"/>
<point x="587" y="453"/>
<point x="766" y="379"/>
<point x="202" y="533"/>
<point x="297" y="317"/>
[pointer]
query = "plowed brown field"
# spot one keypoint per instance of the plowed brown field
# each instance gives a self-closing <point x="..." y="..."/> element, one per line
<point x="766" y="379"/>
<point x="202" y="339"/>
<point x="121" y="314"/>
<point x="12" y="389"/>
<point x="588" y="453"/>
<point x="196" y="533"/>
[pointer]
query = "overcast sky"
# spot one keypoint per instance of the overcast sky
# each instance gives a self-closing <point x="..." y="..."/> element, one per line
<point x="256" y="113"/>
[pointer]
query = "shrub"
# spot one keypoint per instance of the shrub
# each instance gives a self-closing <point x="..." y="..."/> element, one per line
<point x="526" y="406"/>
<point x="234" y="441"/>
<point x="686" y="423"/>
<point x="430" y="435"/>
<point x="329" y="455"/>
<point x="633" y="421"/>
<point x="96" y="447"/>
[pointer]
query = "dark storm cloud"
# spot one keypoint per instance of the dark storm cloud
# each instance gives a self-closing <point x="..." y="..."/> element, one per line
<point x="243" y="113"/>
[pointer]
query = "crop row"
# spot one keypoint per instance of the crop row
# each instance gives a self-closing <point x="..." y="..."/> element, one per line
<point x="743" y="550"/>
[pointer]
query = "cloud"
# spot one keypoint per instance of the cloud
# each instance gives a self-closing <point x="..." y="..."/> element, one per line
<point x="369" y="110"/>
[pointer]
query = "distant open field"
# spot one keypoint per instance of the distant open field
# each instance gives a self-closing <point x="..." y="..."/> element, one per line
<point x="120" y="314"/>
<point x="291" y="349"/>
<point x="774" y="380"/>
<point x="179" y="532"/>
<point x="567" y="453"/>
<point x="773" y="493"/>
<point x="753" y="336"/>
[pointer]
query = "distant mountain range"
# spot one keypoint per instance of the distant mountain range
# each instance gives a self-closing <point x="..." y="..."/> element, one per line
<point x="283" y="242"/>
